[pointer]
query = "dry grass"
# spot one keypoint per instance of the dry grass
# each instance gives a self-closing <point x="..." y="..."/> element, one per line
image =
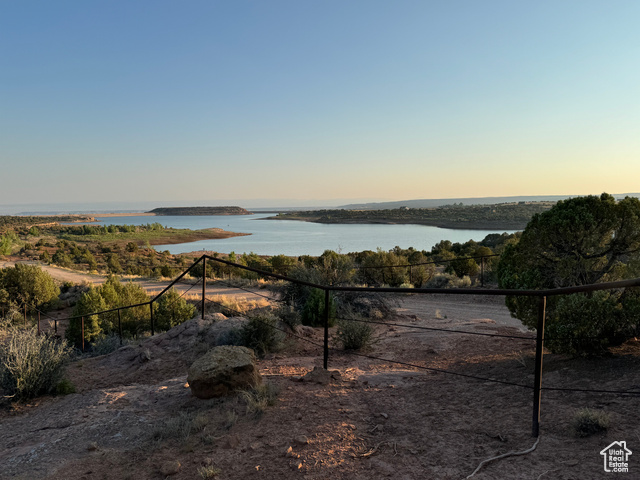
<point x="259" y="398"/>
<point x="238" y="305"/>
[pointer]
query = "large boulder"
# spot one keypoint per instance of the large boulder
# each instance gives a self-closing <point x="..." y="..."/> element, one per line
<point x="222" y="370"/>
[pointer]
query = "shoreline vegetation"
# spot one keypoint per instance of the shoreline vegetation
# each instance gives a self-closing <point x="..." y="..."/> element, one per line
<point x="505" y="216"/>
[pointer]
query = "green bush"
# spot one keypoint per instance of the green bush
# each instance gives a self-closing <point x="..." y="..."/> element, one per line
<point x="587" y="422"/>
<point x="260" y="333"/>
<point x="289" y="316"/>
<point x="65" y="387"/>
<point x="31" y="364"/>
<point x="171" y="310"/>
<point x="354" y="334"/>
<point x="313" y="312"/>
<point x="105" y="344"/>
<point x="446" y="280"/>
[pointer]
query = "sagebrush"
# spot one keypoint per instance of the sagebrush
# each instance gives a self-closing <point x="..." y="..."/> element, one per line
<point x="31" y="364"/>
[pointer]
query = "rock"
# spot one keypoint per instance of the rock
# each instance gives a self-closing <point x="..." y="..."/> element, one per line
<point x="92" y="447"/>
<point x="231" y="442"/>
<point x="304" y="331"/>
<point x="301" y="440"/>
<point x="321" y="376"/>
<point x="170" y="468"/>
<point x="222" y="370"/>
<point x="289" y="453"/>
<point x="384" y="415"/>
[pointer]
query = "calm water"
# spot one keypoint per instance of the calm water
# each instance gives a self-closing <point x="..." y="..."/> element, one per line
<point x="288" y="237"/>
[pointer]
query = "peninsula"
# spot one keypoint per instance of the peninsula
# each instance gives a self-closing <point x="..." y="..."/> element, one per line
<point x="204" y="211"/>
<point x="505" y="216"/>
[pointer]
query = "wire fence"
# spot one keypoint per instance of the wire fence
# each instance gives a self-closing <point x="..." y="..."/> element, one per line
<point x="199" y="270"/>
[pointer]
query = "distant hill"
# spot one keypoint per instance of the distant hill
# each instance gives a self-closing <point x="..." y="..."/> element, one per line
<point x="184" y="211"/>
<point x="438" y="202"/>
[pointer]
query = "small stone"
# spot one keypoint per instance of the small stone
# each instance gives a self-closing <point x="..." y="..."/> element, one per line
<point x="289" y="453"/>
<point x="384" y="415"/>
<point x="301" y="440"/>
<point x="92" y="447"/>
<point x="232" y="441"/>
<point x="255" y="446"/>
<point x="170" y="468"/>
<point x="299" y="416"/>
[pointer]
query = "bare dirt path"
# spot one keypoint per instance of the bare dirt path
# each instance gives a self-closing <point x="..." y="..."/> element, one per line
<point x="151" y="286"/>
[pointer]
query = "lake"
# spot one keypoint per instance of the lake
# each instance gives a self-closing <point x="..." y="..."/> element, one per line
<point x="295" y="238"/>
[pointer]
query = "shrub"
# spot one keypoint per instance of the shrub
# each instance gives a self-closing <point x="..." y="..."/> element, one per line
<point x="313" y="313"/>
<point x="31" y="364"/>
<point x="171" y="310"/>
<point x="208" y="471"/>
<point x="29" y="284"/>
<point x="586" y="324"/>
<point x="106" y="344"/>
<point x="65" y="387"/>
<point x="587" y="422"/>
<point x="261" y="335"/>
<point x="446" y="280"/>
<point x="289" y="316"/>
<point x="354" y="334"/>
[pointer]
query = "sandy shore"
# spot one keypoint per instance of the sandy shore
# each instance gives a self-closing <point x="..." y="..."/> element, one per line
<point x="126" y="214"/>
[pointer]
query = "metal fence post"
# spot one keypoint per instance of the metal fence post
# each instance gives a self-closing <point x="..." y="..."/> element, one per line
<point x="204" y="282"/>
<point x="482" y="271"/>
<point x="326" y="328"/>
<point x="120" y="326"/>
<point x="38" y="322"/>
<point x="82" y="331"/>
<point x="151" y="314"/>
<point x="537" y="387"/>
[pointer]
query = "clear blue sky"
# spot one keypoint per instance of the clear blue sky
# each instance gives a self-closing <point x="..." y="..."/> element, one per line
<point x="211" y="101"/>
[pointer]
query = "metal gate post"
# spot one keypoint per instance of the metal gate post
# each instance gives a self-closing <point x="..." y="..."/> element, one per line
<point x="204" y="282"/>
<point x="537" y="387"/>
<point x="326" y="328"/>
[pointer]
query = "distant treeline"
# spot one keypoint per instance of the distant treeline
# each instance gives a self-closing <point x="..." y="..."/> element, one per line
<point x="13" y="221"/>
<point x="505" y="216"/>
<point x="182" y="211"/>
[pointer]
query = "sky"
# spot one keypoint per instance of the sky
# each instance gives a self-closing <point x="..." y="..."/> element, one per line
<point x="316" y="102"/>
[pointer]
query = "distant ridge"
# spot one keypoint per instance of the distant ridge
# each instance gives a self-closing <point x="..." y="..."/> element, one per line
<point x="185" y="211"/>
<point x="438" y="202"/>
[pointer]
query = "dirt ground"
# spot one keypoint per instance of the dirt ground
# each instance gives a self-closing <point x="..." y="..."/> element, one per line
<point x="133" y="417"/>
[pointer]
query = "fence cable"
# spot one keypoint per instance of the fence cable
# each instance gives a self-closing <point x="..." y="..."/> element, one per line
<point x="417" y="327"/>
<point x="244" y="315"/>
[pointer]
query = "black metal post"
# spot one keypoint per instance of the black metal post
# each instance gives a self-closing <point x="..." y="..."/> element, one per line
<point x="120" y="326"/>
<point x="204" y="282"/>
<point x="151" y="314"/>
<point x="537" y="387"/>
<point x="82" y="331"/>
<point x="38" y="322"/>
<point x="55" y="325"/>
<point x="326" y="328"/>
<point x="482" y="272"/>
<point x="411" y="274"/>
